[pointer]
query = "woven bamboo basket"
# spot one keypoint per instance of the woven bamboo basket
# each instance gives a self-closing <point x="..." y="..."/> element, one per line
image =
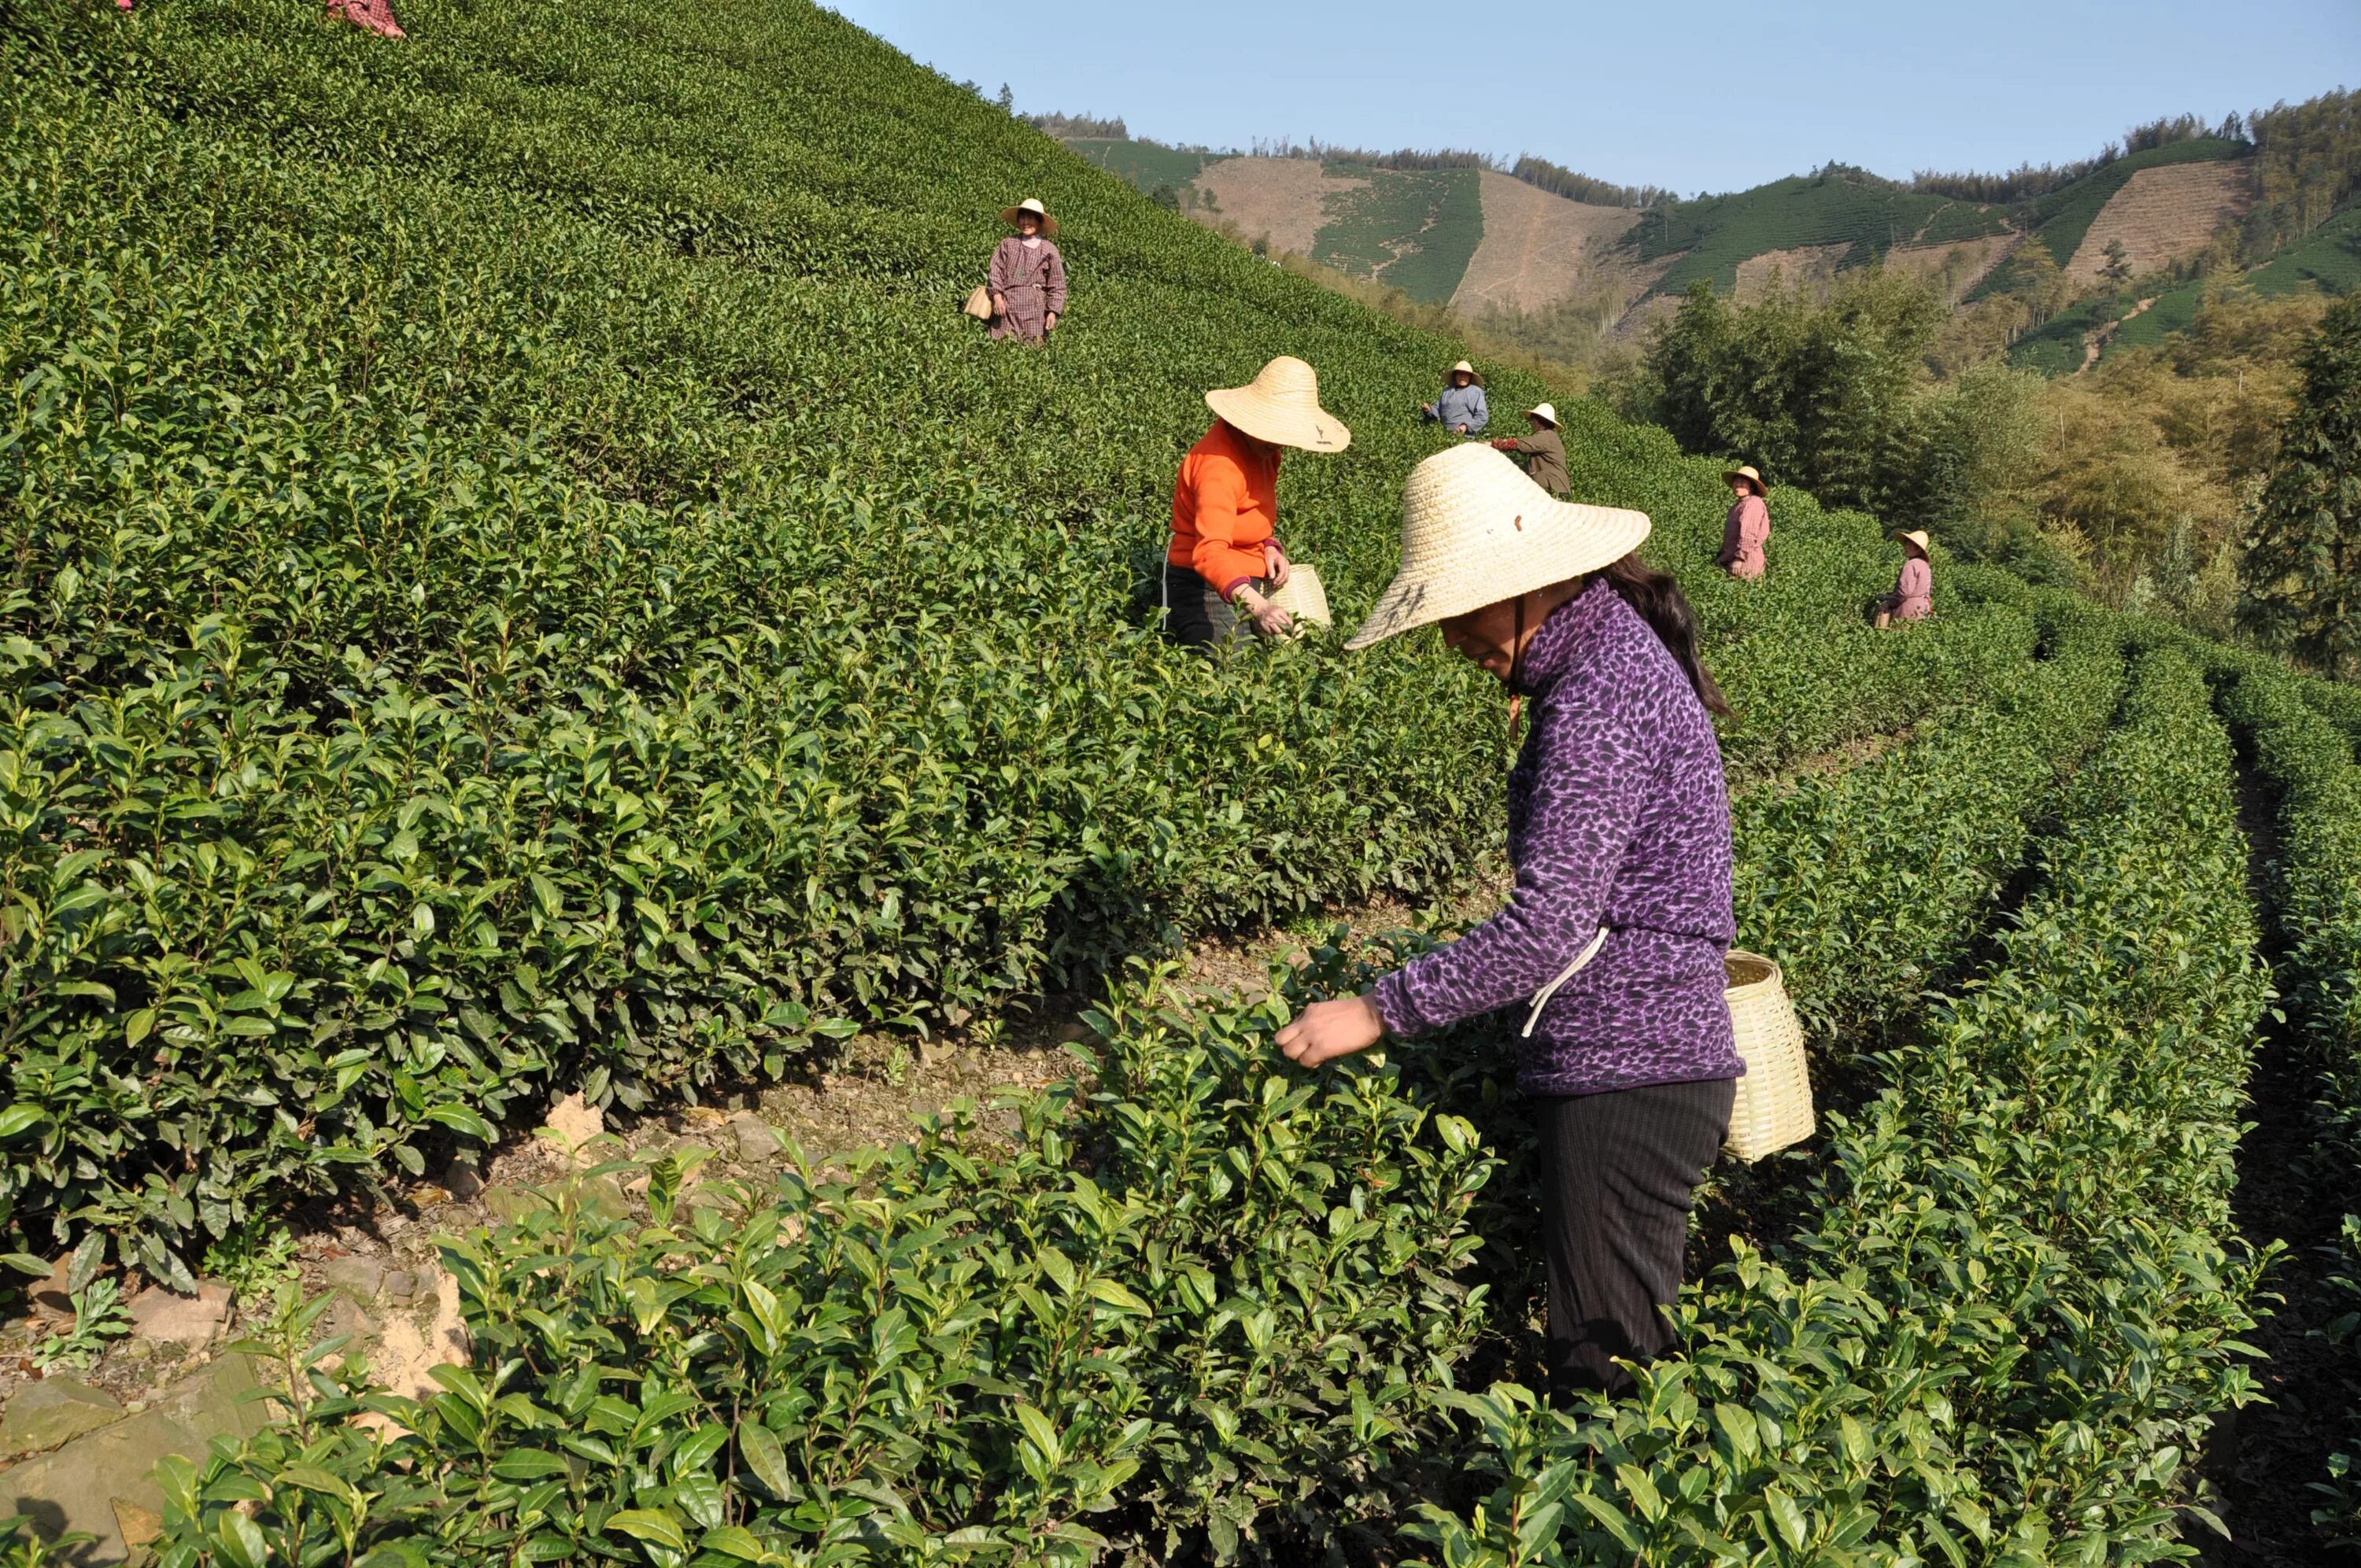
<point x="1774" y="1099"/>
<point x="1302" y="597"/>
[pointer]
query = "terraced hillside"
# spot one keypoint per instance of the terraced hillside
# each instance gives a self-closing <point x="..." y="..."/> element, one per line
<point x="1537" y="248"/>
<point x="1515" y="246"/>
<point x="629" y="678"/>
<point x="2163" y="213"/>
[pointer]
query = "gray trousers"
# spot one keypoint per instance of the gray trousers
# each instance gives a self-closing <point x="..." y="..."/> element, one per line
<point x="1619" y="1174"/>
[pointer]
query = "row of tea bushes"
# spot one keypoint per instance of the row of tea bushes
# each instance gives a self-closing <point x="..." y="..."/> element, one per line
<point x="2308" y="761"/>
<point x="1216" y="1304"/>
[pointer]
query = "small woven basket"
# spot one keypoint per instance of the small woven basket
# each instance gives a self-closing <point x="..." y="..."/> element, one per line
<point x="1774" y="1099"/>
<point x="1302" y="597"/>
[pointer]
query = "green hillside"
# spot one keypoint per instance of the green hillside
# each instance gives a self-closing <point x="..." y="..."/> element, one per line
<point x="1835" y="206"/>
<point x="2329" y="259"/>
<point x="1142" y="164"/>
<point x="519" y="580"/>
<point x="1414" y="228"/>
<point x="2061" y="218"/>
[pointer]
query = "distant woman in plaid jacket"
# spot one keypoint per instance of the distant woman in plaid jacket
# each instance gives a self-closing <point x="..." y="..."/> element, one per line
<point x="1028" y="276"/>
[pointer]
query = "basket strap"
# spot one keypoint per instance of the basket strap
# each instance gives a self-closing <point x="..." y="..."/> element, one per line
<point x="1542" y="997"/>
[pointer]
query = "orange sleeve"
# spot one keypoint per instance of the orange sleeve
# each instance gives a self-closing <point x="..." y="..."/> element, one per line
<point x="1220" y="490"/>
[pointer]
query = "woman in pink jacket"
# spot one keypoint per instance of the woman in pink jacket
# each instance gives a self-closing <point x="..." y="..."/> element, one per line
<point x="1747" y="529"/>
<point x="1028" y="276"/>
<point x="1912" y="597"/>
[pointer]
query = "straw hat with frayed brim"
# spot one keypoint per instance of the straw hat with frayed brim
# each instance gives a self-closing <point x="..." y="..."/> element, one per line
<point x="1914" y="536"/>
<point x="1476" y="531"/>
<point x="1030" y="204"/>
<point x="1747" y="471"/>
<point x="1545" y="413"/>
<point x="1281" y="405"/>
<point x="1472" y="371"/>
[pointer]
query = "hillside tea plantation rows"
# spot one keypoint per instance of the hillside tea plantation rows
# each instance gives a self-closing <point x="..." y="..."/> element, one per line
<point x="518" y="581"/>
<point x="2001" y="1338"/>
<point x="452" y="662"/>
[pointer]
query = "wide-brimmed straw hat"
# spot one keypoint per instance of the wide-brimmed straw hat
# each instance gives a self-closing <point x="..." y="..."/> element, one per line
<point x="1281" y="405"/>
<point x="1545" y="413"/>
<point x="1471" y="370"/>
<point x="1476" y="531"/>
<point x="1919" y="537"/>
<point x="1030" y="204"/>
<point x="1747" y="471"/>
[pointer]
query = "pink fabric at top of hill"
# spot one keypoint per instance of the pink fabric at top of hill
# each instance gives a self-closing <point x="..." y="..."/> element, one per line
<point x="369" y="15"/>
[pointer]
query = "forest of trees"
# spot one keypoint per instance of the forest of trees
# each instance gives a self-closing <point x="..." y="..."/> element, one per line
<point x="1564" y="181"/>
<point x="1081" y="125"/>
<point x="2139" y="479"/>
<point x="2307" y="164"/>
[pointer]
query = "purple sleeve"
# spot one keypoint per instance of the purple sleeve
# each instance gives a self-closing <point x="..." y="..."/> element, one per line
<point x="1917" y="579"/>
<point x="1004" y="268"/>
<point x="1590" y="775"/>
<point x="1057" y="289"/>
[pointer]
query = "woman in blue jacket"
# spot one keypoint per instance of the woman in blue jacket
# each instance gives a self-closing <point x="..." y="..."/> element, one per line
<point x="1461" y="408"/>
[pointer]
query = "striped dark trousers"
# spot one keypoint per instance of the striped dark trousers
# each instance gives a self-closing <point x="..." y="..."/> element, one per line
<point x="1619" y="1174"/>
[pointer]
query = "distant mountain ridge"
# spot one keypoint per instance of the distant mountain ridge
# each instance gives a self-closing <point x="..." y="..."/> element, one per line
<point x="2107" y="252"/>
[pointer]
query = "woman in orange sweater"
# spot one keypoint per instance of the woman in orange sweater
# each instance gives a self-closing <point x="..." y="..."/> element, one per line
<point x="1226" y="557"/>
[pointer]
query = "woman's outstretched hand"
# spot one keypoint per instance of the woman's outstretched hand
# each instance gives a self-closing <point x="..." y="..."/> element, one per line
<point x="1326" y="1030"/>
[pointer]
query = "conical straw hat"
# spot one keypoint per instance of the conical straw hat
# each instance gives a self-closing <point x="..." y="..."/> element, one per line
<point x="1545" y="411"/>
<point x="1918" y="537"/>
<point x="1282" y="405"/>
<point x="1475" y="530"/>
<point x="1030" y="204"/>
<point x="1463" y="365"/>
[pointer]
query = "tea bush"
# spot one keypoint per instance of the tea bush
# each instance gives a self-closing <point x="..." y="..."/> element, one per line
<point x="2308" y="761"/>
<point x="1869" y="884"/>
<point x="1214" y="1291"/>
<point x="1366" y="1231"/>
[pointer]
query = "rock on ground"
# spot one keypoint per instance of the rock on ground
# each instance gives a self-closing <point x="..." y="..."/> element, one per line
<point x="101" y="1482"/>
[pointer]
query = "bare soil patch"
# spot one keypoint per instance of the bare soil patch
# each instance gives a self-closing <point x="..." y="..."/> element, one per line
<point x="1282" y="199"/>
<point x="2165" y="214"/>
<point x="1539" y="248"/>
<point x="1802" y="265"/>
<point x="1956" y="268"/>
<point x="1635" y="322"/>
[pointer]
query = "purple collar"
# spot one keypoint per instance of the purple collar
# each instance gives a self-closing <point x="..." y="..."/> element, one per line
<point x="1555" y="647"/>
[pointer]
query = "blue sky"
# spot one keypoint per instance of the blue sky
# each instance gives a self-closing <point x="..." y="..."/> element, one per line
<point x="1715" y="96"/>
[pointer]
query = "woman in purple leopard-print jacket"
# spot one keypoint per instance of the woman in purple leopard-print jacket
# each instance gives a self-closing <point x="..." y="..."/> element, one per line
<point x="1618" y="829"/>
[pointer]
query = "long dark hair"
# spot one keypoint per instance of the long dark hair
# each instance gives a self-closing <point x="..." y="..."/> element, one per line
<point x="1665" y="609"/>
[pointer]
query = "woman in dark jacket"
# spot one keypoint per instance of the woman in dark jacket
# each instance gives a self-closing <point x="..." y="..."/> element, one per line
<point x="1611" y="948"/>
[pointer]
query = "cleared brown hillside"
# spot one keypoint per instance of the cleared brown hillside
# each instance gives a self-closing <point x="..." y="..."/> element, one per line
<point x="2165" y="214"/>
<point x="1281" y="199"/>
<point x="1798" y="267"/>
<point x="1952" y="269"/>
<point x="1538" y="248"/>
